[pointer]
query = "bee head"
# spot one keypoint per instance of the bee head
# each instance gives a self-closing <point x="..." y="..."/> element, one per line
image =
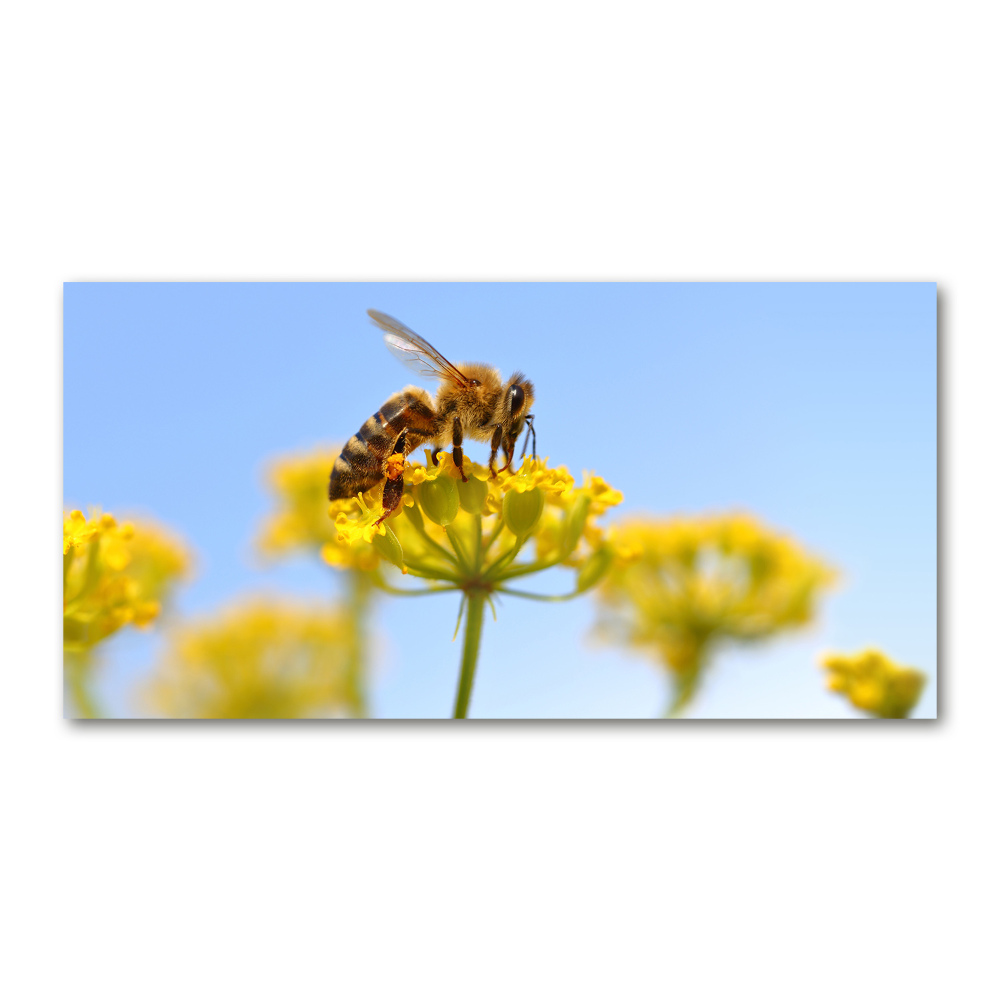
<point x="518" y="395"/>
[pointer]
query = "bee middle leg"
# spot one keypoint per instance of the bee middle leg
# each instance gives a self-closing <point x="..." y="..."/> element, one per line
<point x="456" y="449"/>
<point x="494" y="447"/>
<point x="392" y="492"/>
<point x="508" y="452"/>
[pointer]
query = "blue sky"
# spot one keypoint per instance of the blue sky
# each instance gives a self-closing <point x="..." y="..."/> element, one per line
<point x="811" y="405"/>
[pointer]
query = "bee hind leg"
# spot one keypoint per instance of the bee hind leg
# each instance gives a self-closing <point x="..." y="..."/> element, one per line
<point x="494" y="447"/>
<point x="392" y="492"/>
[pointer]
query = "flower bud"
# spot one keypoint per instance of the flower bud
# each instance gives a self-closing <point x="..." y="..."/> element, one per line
<point x="472" y="495"/>
<point x="522" y="511"/>
<point x="412" y="514"/>
<point x="594" y="568"/>
<point x="388" y="547"/>
<point x="438" y="498"/>
<point x="574" y="522"/>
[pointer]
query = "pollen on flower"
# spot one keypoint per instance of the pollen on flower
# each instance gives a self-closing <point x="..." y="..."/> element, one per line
<point x="414" y="475"/>
<point x="453" y="531"/>
<point x="359" y="529"/>
<point x="533" y="474"/>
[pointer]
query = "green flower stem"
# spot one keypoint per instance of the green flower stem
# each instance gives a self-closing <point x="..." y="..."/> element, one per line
<point x="430" y="572"/>
<point x="494" y="535"/>
<point x="499" y="567"/>
<point x="685" y="686"/>
<point x="413" y="591"/>
<point x="476" y="601"/>
<point x="539" y="597"/>
<point x="76" y="668"/>
<point x="359" y="589"/>
<point x="506" y="573"/>
<point x="456" y="543"/>
<point x="440" y="549"/>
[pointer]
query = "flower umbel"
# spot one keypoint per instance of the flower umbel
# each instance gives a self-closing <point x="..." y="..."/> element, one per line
<point x="113" y="575"/>
<point x="479" y="536"/>
<point x="680" y="586"/>
<point x="875" y="684"/>
<point x="258" y="660"/>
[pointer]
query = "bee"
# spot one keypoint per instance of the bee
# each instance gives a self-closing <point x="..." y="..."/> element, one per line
<point x="472" y="401"/>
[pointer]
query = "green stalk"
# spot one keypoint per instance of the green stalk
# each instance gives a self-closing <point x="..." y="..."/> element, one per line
<point x="76" y="667"/>
<point x="412" y="591"/>
<point x="470" y="652"/>
<point x="466" y="566"/>
<point x="494" y="535"/>
<point x="359" y="588"/>
<point x="685" y="686"/>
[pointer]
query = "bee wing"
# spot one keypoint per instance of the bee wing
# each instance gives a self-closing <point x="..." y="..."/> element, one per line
<point x="414" y="351"/>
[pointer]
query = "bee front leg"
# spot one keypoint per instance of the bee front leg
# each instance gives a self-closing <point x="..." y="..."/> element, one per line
<point x="456" y="449"/>
<point x="434" y="456"/>
<point x="392" y="492"/>
<point x="494" y="446"/>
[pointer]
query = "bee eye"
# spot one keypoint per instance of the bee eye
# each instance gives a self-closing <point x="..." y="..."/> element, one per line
<point x="516" y="398"/>
<point x="474" y="381"/>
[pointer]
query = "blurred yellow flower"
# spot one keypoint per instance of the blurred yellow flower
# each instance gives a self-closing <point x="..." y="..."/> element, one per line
<point x="299" y="522"/>
<point x="874" y="683"/>
<point x="114" y="575"/>
<point x="261" y="659"/>
<point x="298" y="484"/>
<point x="679" y="586"/>
<point x="77" y="530"/>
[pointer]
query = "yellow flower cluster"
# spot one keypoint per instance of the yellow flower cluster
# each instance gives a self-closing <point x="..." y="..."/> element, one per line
<point x="681" y="585"/>
<point x="446" y="529"/>
<point x="259" y="660"/>
<point x="874" y="683"/>
<point x="299" y="485"/>
<point x="113" y="575"/>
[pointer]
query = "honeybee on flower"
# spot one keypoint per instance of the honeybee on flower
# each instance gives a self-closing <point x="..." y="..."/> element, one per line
<point x="472" y="401"/>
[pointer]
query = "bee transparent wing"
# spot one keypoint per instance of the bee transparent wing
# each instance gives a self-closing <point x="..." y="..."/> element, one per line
<point x="414" y="351"/>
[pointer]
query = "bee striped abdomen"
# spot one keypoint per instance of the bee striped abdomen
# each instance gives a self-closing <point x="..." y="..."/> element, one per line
<point x="361" y="464"/>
